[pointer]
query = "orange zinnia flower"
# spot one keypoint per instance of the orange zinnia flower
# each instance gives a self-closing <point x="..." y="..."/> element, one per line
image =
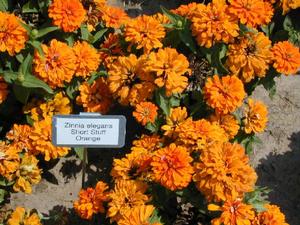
<point x="170" y="68"/>
<point x="224" y="172"/>
<point x="213" y="24"/>
<point x="272" y="216"/>
<point x="19" y="136"/>
<point x="91" y="201"/>
<point x="114" y="17"/>
<point x="27" y="174"/>
<point x="88" y="59"/>
<point x="9" y="160"/>
<point x="250" y="56"/>
<point x="41" y="140"/>
<point x="3" y="90"/>
<point x="67" y="14"/>
<point x="128" y="81"/>
<point x="24" y="217"/>
<point x="57" y="66"/>
<point x="286" y="58"/>
<point x="145" y="112"/>
<point x="253" y="13"/>
<point x="146" y="143"/>
<point x="233" y="213"/>
<point x="288" y="5"/>
<point x="12" y="35"/>
<point x="126" y="195"/>
<point x="256" y="117"/>
<point x="225" y="94"/>
<point x="171" y="167"/>
<point x="139" y="215"/>
<point x="228" y="122"/>
<point x="144" y="31"/>
<point x="189" y="10"/>
<point x="110" y="47"/>
<point x="95" y="97"/>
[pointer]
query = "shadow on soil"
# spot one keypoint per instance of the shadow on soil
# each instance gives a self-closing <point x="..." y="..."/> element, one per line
<point x="281" y="173"/>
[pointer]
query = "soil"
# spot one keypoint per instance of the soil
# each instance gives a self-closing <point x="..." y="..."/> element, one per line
<point x="277" y="160"/>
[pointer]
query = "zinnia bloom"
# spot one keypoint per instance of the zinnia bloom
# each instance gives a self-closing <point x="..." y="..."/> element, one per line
<point x="58" y="64"/>
<point x="41" y="140"/>
<point x="128" y="81"/>
<point x="171" y="167"/>
<point x="95" y="97"/>
<point x="3" y="90"/>
<point x="91" y="201"/>
<point x="252" y="13"/>
<point x="146" y="32"/>
<point x="286" y="58"/>
<point x="228" y="122"/>
<point x="272" y="216"/>
<point x="177" y="116"/>
<point x="189" y="10"/>
<point x="27" y="174"/>
<point x="250" y="56"/>
<point x="67" y="14"/>
<point x="19" y="136"/>
<point x="233" y="213"/>
<point x="114" y="17"/>
<point x="12" y="35"/>
<point x="110" y="47"/>
<point x="24" y="217"/>
<point x="170" y="68"/>
<point x="256" y="117"/>
<point x="224" y="172"/>
<point x="214" y="23"/>
<point x="88" y="59"/>
<point x="225" y="94"/>
<point x="288" y="5"/>
<point x="126" y="195"/>
<point x="146" y="143"/>
<point x="145" y="112"/>
<point x="139" y="215"/>
<point x="9" y="160"/>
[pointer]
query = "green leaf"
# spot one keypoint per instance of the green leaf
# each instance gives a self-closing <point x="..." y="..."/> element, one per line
<point x="2" y="195"/>
<point x="79" y="152"/>
<point x="268" y="29"/>
<point x="5" y="183"/>
<point x="257" y="198"/>
<point x="218" y="52"/>
<point x="3" y="5"/>
<point x="33" y="82"/>
<point x="186" y="37"/>
<point x="96" y="75"/>
<point x="20" y="57"/>
<point x="174" y="18"/>
<point x="72" y="88"/>
<point x="26" y="65"/>
<point x="10" y="76"/>
<point x="269" y="83"/>
<point x="38" y="46"/>
<point x="162" y="101"/>
<point x="287" y="23"/>
<point x="21" y="93"/>
<point x="151" y="127"/>
<point x="30" y="7"/>
<point x="98" y="35"/>
<point x="47" y="30"/>
<point x="27" y="27"/>
<point x="84" y="32"/>
<point x="155" y="218"/>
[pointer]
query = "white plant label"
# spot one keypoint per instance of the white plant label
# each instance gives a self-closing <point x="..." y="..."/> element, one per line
<point x="88" y="130"/>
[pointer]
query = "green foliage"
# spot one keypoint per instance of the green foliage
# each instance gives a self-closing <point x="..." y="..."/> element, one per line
<point x="166" y="103"/>
<point x="3" y="5"/>
<point x="257" y="198"/>
<point x="248" y="141"/>
<point x="292" y="26"/>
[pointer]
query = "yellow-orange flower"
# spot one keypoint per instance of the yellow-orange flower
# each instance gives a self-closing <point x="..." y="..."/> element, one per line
<point x="234" y="212"/>
<point x="19" y="136"/>
<point x="286" y="58"/>
<point x="12" y="35"/>
<point x="213" y="24"/>
<point x="110" y="47"/>
<point x="139" y="215"/>
<point x="228" y="122"/>
<point x="58" y="64"/>
<point x="224" y="172"/>
<point x="146" y="143"/>
<point x="145" y="112"/>
<point x="288" y="5"/>
<point x="95" y="97"/>
<point x="256" y="117"/>
<point x="225" y="94"/>
<point x="58" y="105"/>
<point x="41" y="136"/>
<point x="114" y="17"/>
<point x="91" y="201"/>
<point x="93" y="12"/>
<point x="67" y="14"/>
<point x="177" y="116"/>
<point x="250" y="56"/>
<point x="171" y="167"/>
<point x="88" y="59"/>
<point x="9" y="160"/>
<point x="127" y="80"/>
<point x="145" y="32"/>
<point x="252" y="13"/>
<point x="170" y="68"/>
<point x="272" y="216"/>
<point x="3" y="90"/>
<point x="126" y="195"/>
<point x="189" y="10"/>
<point x="24" y="217"/>
<point x="27" y="174"/>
